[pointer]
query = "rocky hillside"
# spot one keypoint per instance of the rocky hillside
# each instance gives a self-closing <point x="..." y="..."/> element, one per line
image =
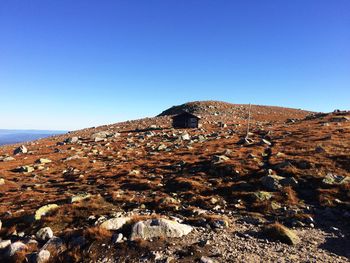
<point x="223" y="111"/>
<point x="140" y="191"/>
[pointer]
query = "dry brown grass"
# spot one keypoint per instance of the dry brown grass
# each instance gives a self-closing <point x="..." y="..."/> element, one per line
<point x="97" y="233"/>
<point x="292" y="198"/>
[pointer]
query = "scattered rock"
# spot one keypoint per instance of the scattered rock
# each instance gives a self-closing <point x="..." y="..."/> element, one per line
<point x="42" y="211"/>
<point x="25" y="169"/>
<point x="54" y="245"/>
<point x="216" y="159"/>
<point x="43" y="161"/>
<point x="44" y="234"/>
<point x="159" y="228"/>
<point x="2" y="182"/>
<point x="262" y="195"/>
<point x="207" y="260"/>
<point x="5" y="244"/>
<point x="115" y="223"/>
<point x="185" y="137"/>
<point x="79" y="197"/>
<point x="272" y="182"/>
<point x="43" y="256"/>
<point x="72" y="140"/>
<point x="21" y="149"/>
<point x="281" y="233"/>
<point x="333" y="179"/>
<point x="8" y="159"/>
<point x="15" y="247"/>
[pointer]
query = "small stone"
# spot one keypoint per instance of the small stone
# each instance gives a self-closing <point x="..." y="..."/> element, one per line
<point x="2" y="182"/>
<point x="207" y="260"/>
<point x="272" y="182"/>
<point x="185" y="137"/>
<point x="43" y="161"/>
<point x="43" y="256"/>
<point x="8" y="159"/>
<point x="216" y="159"/>
<point x="5" y="244"/>
<point x="13" y="248"/>
<point x="264" y="141"/>
<point x="25" y="169"/>
<point x="55" y="245"/>
<point x="44" y="234"/>
<point x="21" y="149"/>
<point x="262" y="195"/>
<point x="119" y="238"/>
<point x="72" y="140"/>
<point x="79" y="197"/>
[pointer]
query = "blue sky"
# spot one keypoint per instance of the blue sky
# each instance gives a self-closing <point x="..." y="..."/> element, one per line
<point x="73" y="64"/>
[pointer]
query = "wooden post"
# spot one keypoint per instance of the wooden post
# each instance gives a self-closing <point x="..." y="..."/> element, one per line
<point x="248" y="121"/>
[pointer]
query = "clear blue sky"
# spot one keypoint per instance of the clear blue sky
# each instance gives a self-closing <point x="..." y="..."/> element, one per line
<point x="71" y="64"/>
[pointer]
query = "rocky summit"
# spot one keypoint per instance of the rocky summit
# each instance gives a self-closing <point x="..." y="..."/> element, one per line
<point x="143" y="191"/>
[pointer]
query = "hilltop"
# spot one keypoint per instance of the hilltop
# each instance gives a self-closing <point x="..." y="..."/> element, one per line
<point x="228" y="112"/>
<point x="142" y="191"/>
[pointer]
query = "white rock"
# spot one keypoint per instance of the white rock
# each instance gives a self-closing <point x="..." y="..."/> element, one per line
<point x="4" y="243"/>
<point x="44" y="234"/>
<point x="43" y="256"/>
<point x="14" y="248"/>
<point x="55" y="245"/>
<point x="2" y="182"/>
<point x="159" y="228"/>
<point x="115" y="223"/>
<point x="185" y="137"/>
<point x="21" y="149"/>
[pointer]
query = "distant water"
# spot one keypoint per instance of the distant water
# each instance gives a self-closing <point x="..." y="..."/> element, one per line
<point x="17" y="136"/>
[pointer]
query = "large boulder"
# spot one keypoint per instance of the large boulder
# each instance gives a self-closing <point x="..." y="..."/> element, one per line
<point x="281" y="233"/>
<point x="115" y="223"/>
<point x="159" y="228"/>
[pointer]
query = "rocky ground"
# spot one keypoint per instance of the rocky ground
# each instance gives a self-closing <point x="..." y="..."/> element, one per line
<point x="140" y="191"/>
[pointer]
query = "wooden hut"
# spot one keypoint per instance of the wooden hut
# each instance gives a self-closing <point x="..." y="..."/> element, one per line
<point x="185" y="120"/>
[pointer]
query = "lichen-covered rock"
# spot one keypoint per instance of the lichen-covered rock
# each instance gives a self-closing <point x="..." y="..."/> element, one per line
<point x="262" y="195"/>
<point x="115" y="223"/>
<point x="159" y="228"/>
<point x="44" y="210"/>
<point x="79" y="197"/>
